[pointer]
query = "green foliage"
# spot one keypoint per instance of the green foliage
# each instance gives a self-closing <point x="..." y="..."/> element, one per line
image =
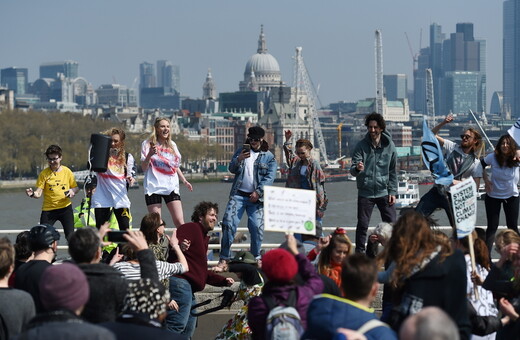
<point x="24" y="137"/>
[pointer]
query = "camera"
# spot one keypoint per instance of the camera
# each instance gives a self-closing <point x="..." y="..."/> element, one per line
<point x="115" y="236"/>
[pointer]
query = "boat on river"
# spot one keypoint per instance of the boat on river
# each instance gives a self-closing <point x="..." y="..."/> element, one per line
<point x="407" y="192"/>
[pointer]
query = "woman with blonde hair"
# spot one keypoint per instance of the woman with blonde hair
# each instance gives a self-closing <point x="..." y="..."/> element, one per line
<point x="426" y="273"/>
<point x="112" y="186"/>
<point x="161" y="161"/>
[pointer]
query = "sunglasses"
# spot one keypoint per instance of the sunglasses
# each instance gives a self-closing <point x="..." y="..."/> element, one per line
<point x="465" y="137"/>
<point x="255" y="139"/>
<point x="162" y="224"/>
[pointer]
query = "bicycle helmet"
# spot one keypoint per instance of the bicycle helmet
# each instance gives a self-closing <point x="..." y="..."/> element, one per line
<point x="42" y="236"/>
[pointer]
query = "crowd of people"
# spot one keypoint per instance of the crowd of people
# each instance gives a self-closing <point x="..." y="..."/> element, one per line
<point x="314" y="286"/>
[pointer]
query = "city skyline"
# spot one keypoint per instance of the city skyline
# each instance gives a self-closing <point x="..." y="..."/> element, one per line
<point x="110" y="40"/>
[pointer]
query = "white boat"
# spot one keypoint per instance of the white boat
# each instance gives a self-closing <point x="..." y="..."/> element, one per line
<point x="407" y="192"/>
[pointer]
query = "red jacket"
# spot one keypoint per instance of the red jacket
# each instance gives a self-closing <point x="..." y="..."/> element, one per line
<point x="196" y="255"/>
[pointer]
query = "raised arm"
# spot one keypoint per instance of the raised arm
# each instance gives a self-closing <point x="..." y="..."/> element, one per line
<point x="435" y="130"/>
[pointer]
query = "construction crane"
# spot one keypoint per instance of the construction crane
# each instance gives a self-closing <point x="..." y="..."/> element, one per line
<point x="339" y="138"/>
<point x="302" y="85"/>
<point x="379" y="73"/>
<point x="415" y="56"/>
<point x="430" y="105"/>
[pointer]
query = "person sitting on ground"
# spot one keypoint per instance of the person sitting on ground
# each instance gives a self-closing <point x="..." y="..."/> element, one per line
<point x="143" y="314"/>
<point x="252" y="280"/>
<point x="43" y="241"/>
<point x="327" y="313"/>
<point x="429" y="323"/>
<point x="64" y="291"/>
<point x="280" y="267"/>
<point x="22" y="252"/>
<point x="17" y="306"/>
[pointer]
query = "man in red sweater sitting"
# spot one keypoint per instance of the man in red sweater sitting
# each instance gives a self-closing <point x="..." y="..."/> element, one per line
<point x="183" y="287"/>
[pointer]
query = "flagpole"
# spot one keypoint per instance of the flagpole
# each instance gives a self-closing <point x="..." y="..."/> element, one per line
<point x="481" y="129"/>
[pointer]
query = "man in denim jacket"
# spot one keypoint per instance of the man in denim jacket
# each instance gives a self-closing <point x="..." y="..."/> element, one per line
<point x="253" y="169"/>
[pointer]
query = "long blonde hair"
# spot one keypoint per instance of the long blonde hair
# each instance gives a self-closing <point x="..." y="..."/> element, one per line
<point x="153" y="136"/>
<point x="121" y="156"/>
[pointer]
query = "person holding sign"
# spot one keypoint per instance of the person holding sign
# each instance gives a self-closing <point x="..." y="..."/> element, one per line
<point x="254" y="167"/>
<point x="306" y="173"/>
<point x="462" y="161"/>
<point x="373" y="165"/>
<point x="502" y="188"/>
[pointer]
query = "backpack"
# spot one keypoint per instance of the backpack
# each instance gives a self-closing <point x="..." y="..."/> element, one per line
<point x="283" y="321"/>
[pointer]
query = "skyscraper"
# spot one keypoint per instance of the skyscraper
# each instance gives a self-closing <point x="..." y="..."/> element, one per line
<point x="15" y="79"/>
<point x="147" y="75"/>
<point x="168" y="75"/>
<point x="68" y="68"/>
<point x="511" y="57"/>
<point x="396" y="86"/>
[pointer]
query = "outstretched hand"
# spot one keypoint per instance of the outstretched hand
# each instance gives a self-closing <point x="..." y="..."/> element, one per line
<point x="136" y="239"/>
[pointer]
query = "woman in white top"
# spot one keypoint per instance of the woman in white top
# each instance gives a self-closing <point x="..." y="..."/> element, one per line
<point x="161" y="163"/>
<point x="111" y="192"/>
<point x="502" y="188"/>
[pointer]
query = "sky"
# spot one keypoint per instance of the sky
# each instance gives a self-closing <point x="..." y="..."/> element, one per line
<point x="110" y="38"/>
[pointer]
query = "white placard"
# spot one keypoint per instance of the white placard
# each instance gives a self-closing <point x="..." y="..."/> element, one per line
<point x="464" y="203"/>
<point x="289" y="210"/>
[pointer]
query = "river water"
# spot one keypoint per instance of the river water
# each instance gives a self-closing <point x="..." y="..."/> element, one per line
<point x="20" y="212"/>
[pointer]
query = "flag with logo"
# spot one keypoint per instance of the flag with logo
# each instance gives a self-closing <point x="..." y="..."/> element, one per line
<point x="433" y="157"/>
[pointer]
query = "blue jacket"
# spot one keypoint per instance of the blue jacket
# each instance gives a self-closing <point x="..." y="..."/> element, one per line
<point x="327" y="313"/>
<point x="264" y="172"/>
<point x="379" y="177"/>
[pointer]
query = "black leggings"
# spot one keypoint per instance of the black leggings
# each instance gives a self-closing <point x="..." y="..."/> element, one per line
<point x="122" y="215"/>
<point x="493" y="205"/>
<point x="64" y="215"/>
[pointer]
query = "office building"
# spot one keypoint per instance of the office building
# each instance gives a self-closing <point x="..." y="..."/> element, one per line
<point x="52" y="70"/>
<point x="396" y="86"/>
<point x="14" y="78"/>
<point x="511" y="57"/>
<point x="168" y="75"/>
<point x="146" y="75"/>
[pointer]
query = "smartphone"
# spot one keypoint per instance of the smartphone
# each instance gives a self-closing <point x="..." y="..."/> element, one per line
<point x="115" y="236"/>
<point x="246" y="147"/>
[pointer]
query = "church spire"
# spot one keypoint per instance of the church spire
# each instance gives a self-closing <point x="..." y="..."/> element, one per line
<point x="261" y="41"/>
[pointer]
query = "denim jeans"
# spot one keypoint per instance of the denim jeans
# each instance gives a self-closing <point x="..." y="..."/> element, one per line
<point x="181" y="322"/>
<point x="432" y="200"/>
<point x="365" y="206"/>
<point x="255" y="223"/>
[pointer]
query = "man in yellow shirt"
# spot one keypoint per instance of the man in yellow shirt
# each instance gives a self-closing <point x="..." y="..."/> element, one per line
<point x="57" y="185"/>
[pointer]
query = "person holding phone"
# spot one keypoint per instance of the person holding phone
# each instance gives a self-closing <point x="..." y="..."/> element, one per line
<point x="254" y="167"/>
<point x="57" y="185"/>
<point x="161" y="160"/>
<point x="111" y="194"/>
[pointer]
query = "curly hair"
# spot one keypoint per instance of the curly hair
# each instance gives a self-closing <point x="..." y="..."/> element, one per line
<point x="202" y="209"/>
<point x="378" y="118"/>
<point x="506" y="159"/>
<point x="149" y="225"/>
<point x="21" y="246"/>
<point x="411" y="243"/>
<point x="325" y="259"/>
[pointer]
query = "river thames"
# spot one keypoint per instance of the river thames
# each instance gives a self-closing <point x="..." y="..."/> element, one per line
<point x="21" y="212"/>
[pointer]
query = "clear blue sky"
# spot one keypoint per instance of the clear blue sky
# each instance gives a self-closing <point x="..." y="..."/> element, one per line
<point x="110" y="38"/>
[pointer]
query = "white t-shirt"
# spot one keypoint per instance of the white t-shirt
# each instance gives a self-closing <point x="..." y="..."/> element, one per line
<point x="111" y="189"/>
<point x="248" y="180"/>
<point x="161" y="176"/>
<point x="504" y="180"/>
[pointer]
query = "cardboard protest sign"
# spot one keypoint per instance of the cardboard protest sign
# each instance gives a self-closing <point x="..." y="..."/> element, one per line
<point x="464" y="203"/>
<point x="289" y="210"/>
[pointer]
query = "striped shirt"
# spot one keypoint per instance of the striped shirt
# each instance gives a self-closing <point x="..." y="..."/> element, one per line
<point x="132" y="271"/>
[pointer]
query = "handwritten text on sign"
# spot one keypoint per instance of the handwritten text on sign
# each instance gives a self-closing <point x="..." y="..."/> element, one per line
<point x="289" y="210"/>
<point x="464" y="202"/>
